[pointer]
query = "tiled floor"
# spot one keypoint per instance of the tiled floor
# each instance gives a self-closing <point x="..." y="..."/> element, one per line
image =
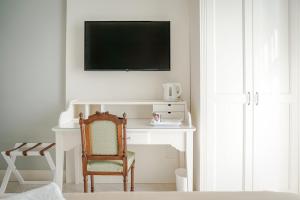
<point x="15" y="187"/>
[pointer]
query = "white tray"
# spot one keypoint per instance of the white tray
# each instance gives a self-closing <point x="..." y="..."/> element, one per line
<point x="166" y="123"/>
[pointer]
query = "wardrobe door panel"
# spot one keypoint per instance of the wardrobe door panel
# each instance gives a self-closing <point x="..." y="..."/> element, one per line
<point x="229" y="146"/>
<point x="226" y="100"/>
<point x="271" y="147"/>
<point x="271" y="46"/>
<point x="228" y="47"/>
<point x="275" y="106"/>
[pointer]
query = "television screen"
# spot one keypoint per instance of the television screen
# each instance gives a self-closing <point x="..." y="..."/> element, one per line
<point x="127" y="45"/>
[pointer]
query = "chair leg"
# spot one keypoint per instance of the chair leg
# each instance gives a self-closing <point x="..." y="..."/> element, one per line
<point x="92" y="183"/>
<point x="85" y="186"/>
<point x="125" y="180"/>
<point x="132" y="178"/>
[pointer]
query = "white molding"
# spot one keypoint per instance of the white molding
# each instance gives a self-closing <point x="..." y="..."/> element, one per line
<point x="294" y="167"/>
<point x="297" y="60"/>
<point x="203" y="94"/>
<point x="45" y="175"/>
<point x="31" y="175"/>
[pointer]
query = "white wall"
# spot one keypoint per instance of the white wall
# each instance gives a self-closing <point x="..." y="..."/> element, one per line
<point x="110" y="85"/>
<point x="32" y="56"/>
<point x="126" y="85"/>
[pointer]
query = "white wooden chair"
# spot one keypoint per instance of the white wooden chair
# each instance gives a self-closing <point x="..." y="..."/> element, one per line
<point x="25" y="149"/>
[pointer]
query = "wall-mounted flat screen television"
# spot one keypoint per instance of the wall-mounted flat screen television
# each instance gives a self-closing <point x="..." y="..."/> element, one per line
<point x="127" y="45"/>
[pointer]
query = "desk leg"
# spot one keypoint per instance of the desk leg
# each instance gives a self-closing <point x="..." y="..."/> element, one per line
<point x="189" y="159"/>
<point x="73" y="163"/>
<point x="77" y="167"/>
<point x="70" y="166"/>
<point x="59" y="160"/>
<point x="181" y="159"/>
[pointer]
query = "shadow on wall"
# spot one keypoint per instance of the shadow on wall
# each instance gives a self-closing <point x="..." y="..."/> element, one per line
<point x="32" y="73"/>
<point x="27" y="128"/>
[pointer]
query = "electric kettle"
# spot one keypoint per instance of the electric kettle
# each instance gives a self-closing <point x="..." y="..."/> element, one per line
<point x="172" y="91"/>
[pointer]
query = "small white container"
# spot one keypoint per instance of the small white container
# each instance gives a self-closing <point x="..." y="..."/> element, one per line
<point x="181" y="180"/>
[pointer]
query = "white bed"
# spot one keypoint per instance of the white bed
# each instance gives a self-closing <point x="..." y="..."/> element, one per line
<point x="182" y="196"/>
<point x="52" y="192"/>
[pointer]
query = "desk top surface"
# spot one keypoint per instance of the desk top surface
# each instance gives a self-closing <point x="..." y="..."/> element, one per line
<point x="132" y="125"/>
<point x="124" y="102"/>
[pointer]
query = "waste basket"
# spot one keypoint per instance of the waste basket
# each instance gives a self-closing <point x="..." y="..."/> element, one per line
<point x="181" y="179"/>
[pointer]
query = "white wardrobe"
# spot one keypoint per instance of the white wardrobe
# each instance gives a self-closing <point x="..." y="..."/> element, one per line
<point x="249" y="96"/>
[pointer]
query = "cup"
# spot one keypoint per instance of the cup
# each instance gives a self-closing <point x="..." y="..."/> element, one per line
<point x="156" y="117"/>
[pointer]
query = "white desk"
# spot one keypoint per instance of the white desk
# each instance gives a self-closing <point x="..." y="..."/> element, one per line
<point x="139" y="131"/>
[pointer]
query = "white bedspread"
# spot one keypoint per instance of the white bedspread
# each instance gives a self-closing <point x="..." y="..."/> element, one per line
<point x="182" y="196"/>
<point x="51" y="192"/>
<point x="48" y="192"/>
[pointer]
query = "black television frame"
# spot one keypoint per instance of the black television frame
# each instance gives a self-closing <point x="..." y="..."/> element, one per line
<point x="126" y="69"/>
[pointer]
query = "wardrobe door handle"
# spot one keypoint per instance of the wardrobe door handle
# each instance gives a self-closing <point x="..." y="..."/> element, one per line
<point x="248" y="98"/>
<point x="256" y="98"/>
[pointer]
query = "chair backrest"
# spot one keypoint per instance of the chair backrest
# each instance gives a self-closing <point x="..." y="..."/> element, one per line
<point x="102" y="134"/>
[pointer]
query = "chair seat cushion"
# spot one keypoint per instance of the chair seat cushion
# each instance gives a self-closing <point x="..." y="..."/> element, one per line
<point x="110" y="165"/>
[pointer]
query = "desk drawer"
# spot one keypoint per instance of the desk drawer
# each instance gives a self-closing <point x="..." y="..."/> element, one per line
<point x="168" y="107"/>
<point x="137" y="138"/>
<point x="172" y="115"/>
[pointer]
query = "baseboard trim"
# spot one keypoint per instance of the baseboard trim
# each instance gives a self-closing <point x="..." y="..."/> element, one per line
<point x="31" y="175"/>
<point x="45" y="175"/>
